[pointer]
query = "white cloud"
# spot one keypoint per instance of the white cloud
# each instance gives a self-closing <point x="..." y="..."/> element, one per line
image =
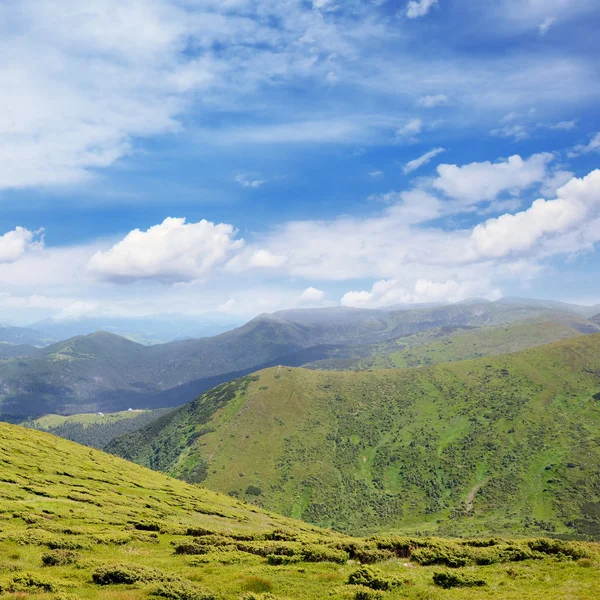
<point x="433" y="100"/>
<point x="248" y="182"/>
<point x="263" y="259"/>
<point x="592" y="146"/>
<point x="172" y="251"/>
<point x="409" y="130"/>
<point x="376" y="174"/>
<point x="546" y="24"/>
<point x="577" y="200"/>
<point x="413" y="165"/>
<point x="389" y="292"/>
<point x="13" y="244"/>
<point x="311" y="295"/>
<point x="484" y="181"/>
<point x="419" y="8"/>
<point x="518" y="132"/>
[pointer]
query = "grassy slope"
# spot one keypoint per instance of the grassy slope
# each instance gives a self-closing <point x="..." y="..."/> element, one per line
<point x="366" y="451"/>
<point x="465" y="344"/>
<point x="68" y="503"/>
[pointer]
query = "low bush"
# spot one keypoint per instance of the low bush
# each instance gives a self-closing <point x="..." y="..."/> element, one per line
<point x="558" y="547"/>
<point x="372" y="579"/>
<point x="365" y="593"/>
<point x="28" y="583"/>
<point x="192" y="549"/>
<point x="198" y="531"/>
<point x="59" y="558"/>
<point x="146" y="526"/>
<point x="128" y="574"/>
<point x="450" y="580"/>
<point x="441" y="556"/>
<point x="317" y="553"/>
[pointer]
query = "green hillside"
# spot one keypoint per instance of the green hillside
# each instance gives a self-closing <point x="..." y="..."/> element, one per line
<point x="95" y="429"/>
<point x="503" y="444"/>
<point x="79" y="524"/>
<point x="450" y="344"/>
<point x="104" y="372"/>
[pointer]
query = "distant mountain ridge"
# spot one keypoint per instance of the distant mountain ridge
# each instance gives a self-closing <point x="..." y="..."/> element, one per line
<point x="105" y="372"/>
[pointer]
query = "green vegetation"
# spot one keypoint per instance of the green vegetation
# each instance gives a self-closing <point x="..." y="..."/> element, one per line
<point x="449" y="344"/>
<point x="95" y="429"/>
<point x="503" y="445"/>
<point x="105" y="372"/>
<point x="76" y="523"/>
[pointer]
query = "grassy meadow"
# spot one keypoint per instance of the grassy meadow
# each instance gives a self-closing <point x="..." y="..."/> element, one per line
<point x="76" y="523"/>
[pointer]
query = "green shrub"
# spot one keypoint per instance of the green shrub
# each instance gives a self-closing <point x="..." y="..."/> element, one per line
<point x="198" y="531"/>
<point x="146" y="526"/>
<point x="317" y="553"/>
<point x="181" y="590"/>
<point x="558" y="547"/>
<point x="450" y="580"/>
<point x="365" y="593"/>
<point x="28" y="582"/>
<point x="441" y="556"/>
<point x="192" y="549"/>
<point x="128" y="574"/>
<point x="253" y="490"/>
<point x="59" y="558"/>
<point x="372" y="579"/>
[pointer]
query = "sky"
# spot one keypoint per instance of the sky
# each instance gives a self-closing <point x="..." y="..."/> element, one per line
<point x="234" y="157"/>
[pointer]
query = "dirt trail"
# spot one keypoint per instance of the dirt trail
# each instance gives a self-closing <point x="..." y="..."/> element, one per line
<point x="471" y="496"/>
<point x="278" y="370"/>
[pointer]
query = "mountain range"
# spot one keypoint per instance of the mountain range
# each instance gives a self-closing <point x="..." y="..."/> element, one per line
<point x="506" y="444"/>
<point x="102" y="371"/>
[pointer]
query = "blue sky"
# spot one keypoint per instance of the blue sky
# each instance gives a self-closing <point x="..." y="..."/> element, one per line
<point x="239" y="156"/>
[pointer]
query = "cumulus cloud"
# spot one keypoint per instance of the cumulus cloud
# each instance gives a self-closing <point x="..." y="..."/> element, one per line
<point x="172" y="251"/>
<point x="13" y="244"/>
<point x="311" y="295"/>
<point x="577" y="200"/>
<point x="481" y="181"/>
<point x="389" y="292"/>
<point x="419" y="8"/>
<point x="433" y="100"/>
<point x="263" y="259"/>
<point x="415" y="164"/>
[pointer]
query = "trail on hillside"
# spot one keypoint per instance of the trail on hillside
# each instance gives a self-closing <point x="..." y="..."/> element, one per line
<point x="471" y="496"/>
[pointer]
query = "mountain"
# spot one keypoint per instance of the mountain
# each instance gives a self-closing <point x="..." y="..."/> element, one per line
<point x="508" y="444"/>
<point x="21" y="335"/>
<point x="14" y="350"/>
<point x="104" y="372"/>
<point x="153" y="329"/>
<point x="78" y="523"/>
<point x="596" y="319"/>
